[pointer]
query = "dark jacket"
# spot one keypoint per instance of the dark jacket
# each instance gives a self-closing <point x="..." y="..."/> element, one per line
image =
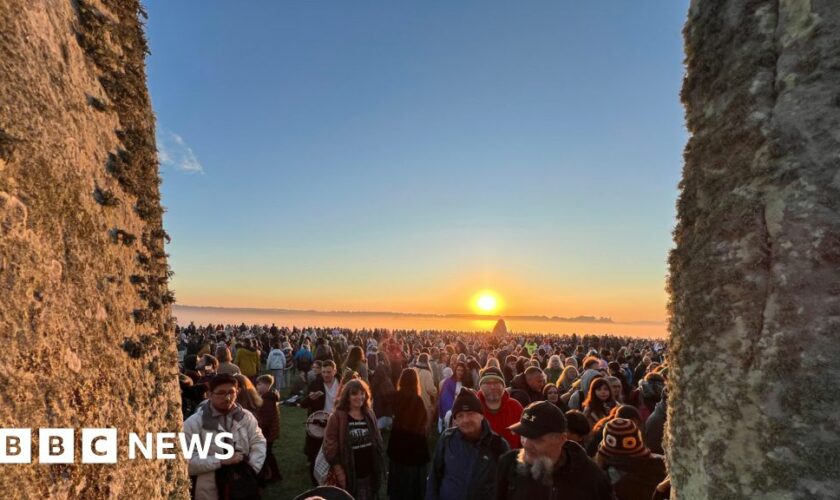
<point x="464" y="470"/>
<point x="579" y="478"/>
<point x="408" y="444"/>
<point x="522" y="392"/>
<point x="383" y="393"/>
<point x="635" y="478"/>
<point x="655" y="428"/>
<point x="268" y="415"/>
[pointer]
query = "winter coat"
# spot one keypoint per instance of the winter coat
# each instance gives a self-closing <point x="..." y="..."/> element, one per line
<point x="635" y="478"/>
<point x="655" y="428"/>
<point x="579" y="478"/>
<point x="383" y="392"/>
<point x="247" y="439"/>
<point x="464" y="470"/>
<point x="268" y="415"/>
<point x="276" y="360"/>
<point x="522" y="392"/>
<point x="337" y="449"/>
<point x="508" y="414"/>
<point x="248" y="361"/>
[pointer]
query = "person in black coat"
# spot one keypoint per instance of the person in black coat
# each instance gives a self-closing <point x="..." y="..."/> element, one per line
<point x="633" y="470"/>
<point x="408" y="447"/>
<point x="548" y="465"/>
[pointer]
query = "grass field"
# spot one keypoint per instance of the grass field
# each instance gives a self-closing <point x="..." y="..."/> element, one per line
<point x="289" y="452"/>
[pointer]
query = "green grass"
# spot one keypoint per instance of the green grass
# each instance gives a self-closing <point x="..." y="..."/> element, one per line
<point x="289" y="452"/>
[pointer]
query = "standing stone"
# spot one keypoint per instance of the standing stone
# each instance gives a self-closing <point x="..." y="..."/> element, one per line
<point x="755" y="273"/>
<point x="84" y="306"/>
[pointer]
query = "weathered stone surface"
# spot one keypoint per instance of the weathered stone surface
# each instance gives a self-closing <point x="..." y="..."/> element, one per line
<point x="755" y="274"/>
<point x="79" y="214"/>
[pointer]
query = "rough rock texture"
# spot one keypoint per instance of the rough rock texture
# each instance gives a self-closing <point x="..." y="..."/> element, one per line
<point x="84" y="306"/>
<point x="755" y="274"/>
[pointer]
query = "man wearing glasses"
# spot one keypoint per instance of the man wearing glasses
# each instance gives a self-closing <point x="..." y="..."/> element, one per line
<point x="220" y="413"/>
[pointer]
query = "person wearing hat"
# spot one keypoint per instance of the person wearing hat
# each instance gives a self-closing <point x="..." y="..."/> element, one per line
<point x="500" y="410"/>
<point x="549" y="465"/>
<point x="527" y="387"/>
<point x="464" y="464"/>
<point x="633" y="470"/>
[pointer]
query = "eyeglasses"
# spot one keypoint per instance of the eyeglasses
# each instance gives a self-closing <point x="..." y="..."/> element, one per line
<point x="226" y="394"/>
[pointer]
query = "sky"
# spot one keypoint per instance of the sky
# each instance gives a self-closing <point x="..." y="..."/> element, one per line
<point x="401" y="156"/>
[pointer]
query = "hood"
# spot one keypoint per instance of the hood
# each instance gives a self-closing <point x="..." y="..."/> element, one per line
<point x="586" y="379"/>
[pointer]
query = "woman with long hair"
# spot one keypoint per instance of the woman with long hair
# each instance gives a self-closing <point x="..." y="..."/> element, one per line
<point x="554" y="369"/>
<point x="352" y="443"/>
<point x="248" y="397"/>
<point x="567" y="378"/>
<point x="599" y="401"/>
<point x="356" y="362"/>
<point x="408" y="448"/>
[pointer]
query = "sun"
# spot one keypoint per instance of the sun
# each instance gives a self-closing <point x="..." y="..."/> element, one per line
<point x="486" y="302"/>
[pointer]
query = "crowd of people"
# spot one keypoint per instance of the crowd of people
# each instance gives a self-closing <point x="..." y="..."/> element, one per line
<point x="431" y="414"/>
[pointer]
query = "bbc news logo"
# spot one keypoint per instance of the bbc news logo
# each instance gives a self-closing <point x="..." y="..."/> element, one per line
<point x="99" y="446"/>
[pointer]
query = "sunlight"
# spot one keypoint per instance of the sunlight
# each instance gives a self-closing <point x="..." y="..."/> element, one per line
<point x="486" y="302"/>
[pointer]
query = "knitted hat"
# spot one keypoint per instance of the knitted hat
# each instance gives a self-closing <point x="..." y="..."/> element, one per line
<point x="622" y="439"/>
<point x="490" y="373"/>
<point x="466" y="401"/>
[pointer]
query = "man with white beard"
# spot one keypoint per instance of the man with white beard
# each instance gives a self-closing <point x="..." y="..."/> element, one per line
<point x="548" y="465"/>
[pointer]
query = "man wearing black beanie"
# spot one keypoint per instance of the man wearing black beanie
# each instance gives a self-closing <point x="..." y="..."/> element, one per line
<point x="464" y="465"/>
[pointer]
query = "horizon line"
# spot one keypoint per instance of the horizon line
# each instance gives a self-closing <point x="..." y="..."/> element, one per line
<point x="487" y="317"/>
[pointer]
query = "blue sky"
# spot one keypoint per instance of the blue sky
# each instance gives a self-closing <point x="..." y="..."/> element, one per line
<point x="401" y="155"/>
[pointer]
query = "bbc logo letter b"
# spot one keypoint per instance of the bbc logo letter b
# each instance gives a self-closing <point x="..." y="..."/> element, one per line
<point x="15" y="446"/>
<point x="55" y="446"/>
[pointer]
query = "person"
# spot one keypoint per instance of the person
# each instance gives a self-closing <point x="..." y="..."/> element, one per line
<point x="221" y="413"/>
<point x="408" y="447"/>
<point x="567" y="378"/>
<point x="276" y="364"/>
<point x="599" y="402"/>
<point x="323" y="350"/>
<point x="647" y="394"/>
<point x="303" y="360"/>
<point x="552" y="394"/>
<point x="500" y="410"/>
<point x="428" y="391"/>
<point x="320" y="395"/>
<point x="549" y="465"/>
<point x="352" y="443"/>
<point x="248" y="397"/>
<point x="633" y="470"/>
<point x="449" y="389"/>
<point x="590" y="373"/>
<point x="466" y="455"/>
<point x="554" y="369"/>
<point x="620" y="411"/>
<point x="615" y="388"/>
<point x="268" y="418"/>
<point x="248" y="359"/>
<point x="224" y="357"/>
<point x="527" y="387"/>
<point x="577" y="427"/>
<point x="383" y="392"/>
<point x="356" y="362"/>
<point x="655" y="424"/>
